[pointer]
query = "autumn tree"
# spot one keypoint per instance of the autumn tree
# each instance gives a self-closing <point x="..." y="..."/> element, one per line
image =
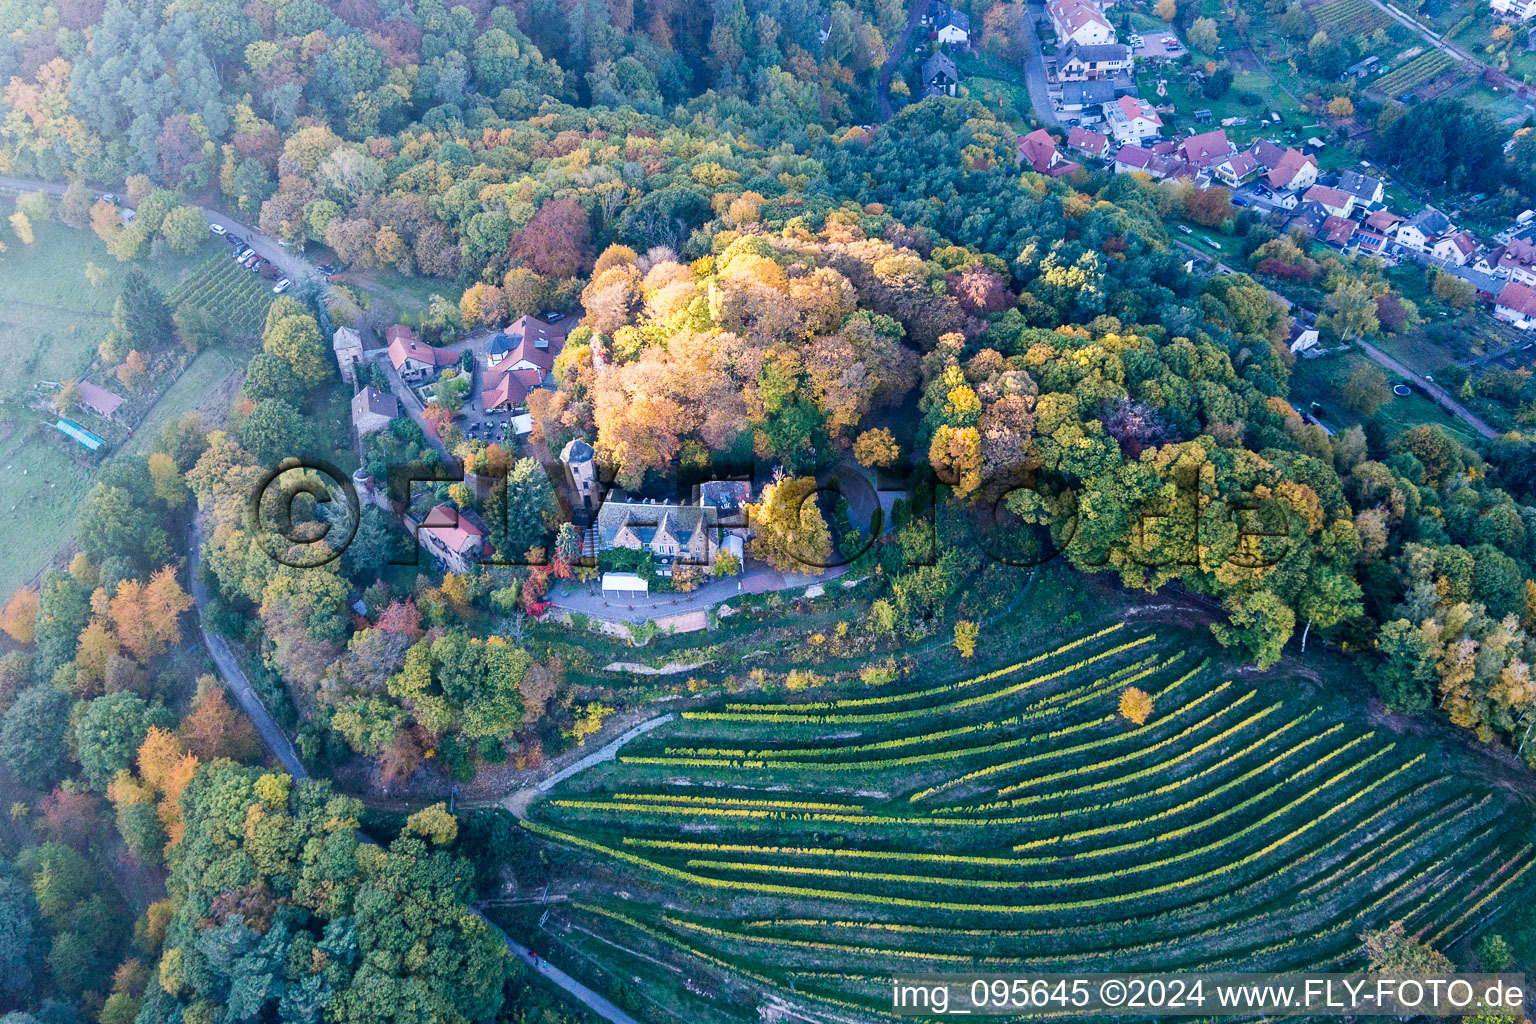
<point x="19" y="618"/>
<point x="966" y="633"/>
<point x="791" y="533"/>
<point x="1135" y="705"/>
<point x="876" y="447"/>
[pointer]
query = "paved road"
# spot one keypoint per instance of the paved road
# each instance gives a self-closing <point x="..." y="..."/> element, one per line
<point x="234" y="676"/>
<point x="1441" y="396"/>
<point x="894" y="57"/>
<point x="1432" y="38"/>
<point x="595" y="1002"/>
<point x="606" y="753"/>
<point x="1034" y="68"/>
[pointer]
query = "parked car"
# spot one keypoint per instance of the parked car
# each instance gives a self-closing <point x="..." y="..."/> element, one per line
<point x="1236" y="201"/>
<point x="554" y="318"/>
<point x="108" y="196"/>
<point x="326" y="268"/>
<point x="250" y="261"/>
<point x="281" y="286"/>
<point x="1210" y="242"/>
<point x="217" y="229"/>
<point x="1186" y="229"/>
<point x="240" y="255"/>
<point x="236" y="241"/>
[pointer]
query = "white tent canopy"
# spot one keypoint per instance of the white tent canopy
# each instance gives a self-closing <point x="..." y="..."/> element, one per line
<point x="623" y="584"/>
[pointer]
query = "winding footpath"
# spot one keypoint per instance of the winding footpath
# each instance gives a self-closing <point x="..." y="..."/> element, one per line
<point x="1441" y="396"/>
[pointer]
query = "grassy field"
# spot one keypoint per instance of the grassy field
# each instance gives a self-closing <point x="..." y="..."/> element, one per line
<point x="1011" y="818"/>
<point x="40" y="490"/>
<point x="51" y="315"/>
<point x="191" y="390"/>
<point x="1322" y="381"/>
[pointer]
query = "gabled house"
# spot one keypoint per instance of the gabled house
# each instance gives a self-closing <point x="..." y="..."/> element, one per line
<point x="1087" y="98"/>
<point x="1514" y="10"/>
<point x="1337" y="231"/>
<point x="1129" y="159"/>
<point x="1294" y="171"/>
<point x="1516" y="304"/>
<point x="1079" y="21"/>
<point x="1338" y="204"/>
<point x="673" y="534"/>
<point x="1089" y="143"/>
<point x="527" y="344"/>
<point x="940" y="76"/>
<point x="1308" y="217"/>
<point x="1456" y="249"/>
<point x="453" y="537"/>
<point x="1302" y="336"/>
<point x="508" y="388"/>
<point x="1085" y="63"/>
<point x="412" y="358"/>
<point x="1131" y="120"/>
<point x="1518" y="262"/>
<point x="1368" y="191"/>
<point x="1423" y="229"/>
<point x="1237" y="169"/>
<point x="1207" y="149"/>
<point x="1038" y="150"/>
<point x="98" y="399"/>
<point x="953" y="28"/>
<point x="1384" y="222"/>
<point x="373" y="410"/>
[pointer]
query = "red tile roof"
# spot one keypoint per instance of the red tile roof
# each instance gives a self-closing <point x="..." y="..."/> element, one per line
<point x="1520" y="298"/>
<point x="1331" y="197"/>
<point x="1207" y="148"/>
<point x="1038" y="150"/>
<point x="457" y="532"/>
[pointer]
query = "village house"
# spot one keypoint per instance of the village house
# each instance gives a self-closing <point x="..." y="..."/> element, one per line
<point x="1237" y="169"/>
<point x="1338" y="204"/>
<point x="1516" y="304"/>
<point x="412" y="358"/>
<point x="527" y="344"/>
<point x="1338" y="232"/>
<point x="940" y="76"/>
<point x="1424" y="229"/>
<point x="1130" y="159"/>
<point x="98" y="399"/>
<point x="347" y="344"/>
<point x="1456" y="249"/>
<point x="952" y="26"/>
<point x="1038" y="150"/>
<point x="373" y="410"/>
<point x="455" y="538"/>
<point x="1206" y="150"/>
<point x="1517" y="262"/>
<point x="1087" y="100"/>
<point x="1368" y="191"/>
<point x="1089" y="143"/>
<point x="1289" y="169"/>
<point x="1383" y="222"/>
<point x="1301" y="336"/>
<point x="1084" y="63"/>
<point x="1514" y="10"/>
<point x="1079" y="21"/>
<point x="1131" y="120"/>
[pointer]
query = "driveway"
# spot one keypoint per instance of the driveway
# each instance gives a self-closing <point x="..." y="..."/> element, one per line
<point x="1034" y="66"/>
<point x="588" y="599"/>
<point x="895" y="56"/>
<point x="1441" y="396"/>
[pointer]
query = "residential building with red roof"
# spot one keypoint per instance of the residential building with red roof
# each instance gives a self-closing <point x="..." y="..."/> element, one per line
<point x="1089" y="143"/>
<point x="1038" y="150"/>
<point x="1516" y="304"/>
<point x="1131" y="120"/>
<point x="1336" y="202"/>
<point x="1206" y="149"/>
<point x="453" y="537"/>
<point x="412" y="358"/>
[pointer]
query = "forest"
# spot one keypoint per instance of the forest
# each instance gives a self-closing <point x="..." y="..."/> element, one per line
<point x="765" y="280"/>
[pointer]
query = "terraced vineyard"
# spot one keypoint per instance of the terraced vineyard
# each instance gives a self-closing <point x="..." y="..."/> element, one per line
<point x="1349" y="18"/>
<point x="1424" y="68"/>
<point x="1014" y="817"/>
<point x="222" y="286"/>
